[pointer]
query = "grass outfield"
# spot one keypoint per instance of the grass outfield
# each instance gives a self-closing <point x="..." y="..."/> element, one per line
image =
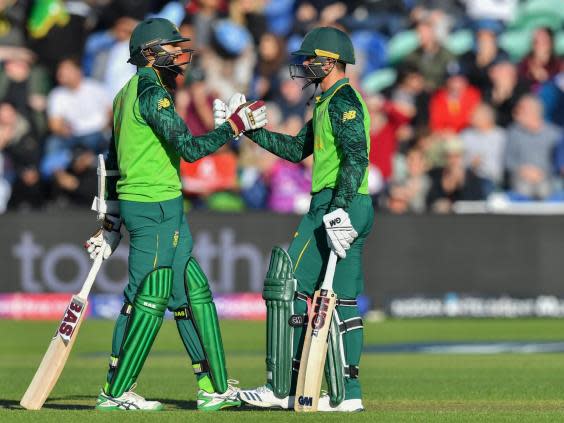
<point x="397" y="387"/>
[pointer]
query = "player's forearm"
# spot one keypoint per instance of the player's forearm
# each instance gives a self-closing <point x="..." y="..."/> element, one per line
<point x="193" y="148"/>
<point x="293" y="149"/>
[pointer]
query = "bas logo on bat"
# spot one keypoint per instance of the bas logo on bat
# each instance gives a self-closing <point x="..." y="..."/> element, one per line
<point x="70" y="319"/>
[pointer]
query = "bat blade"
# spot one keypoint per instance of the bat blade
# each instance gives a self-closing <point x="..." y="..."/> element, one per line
<point x="314" y="351"/>
<point x="56" y="356"/>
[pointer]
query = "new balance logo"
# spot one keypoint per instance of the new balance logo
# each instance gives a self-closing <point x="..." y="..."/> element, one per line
<point x="150" y="305"/>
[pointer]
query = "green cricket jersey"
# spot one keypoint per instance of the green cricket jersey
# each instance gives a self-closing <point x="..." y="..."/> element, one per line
<point x="149" y="138"/>
<point x="338" y="136"/>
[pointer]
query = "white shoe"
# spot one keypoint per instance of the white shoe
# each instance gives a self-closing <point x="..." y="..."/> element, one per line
<point x="351" y="405"/>
<point x="127" y="401"/>
<point x="264" y="397"/>
<point x="216" y="401"/>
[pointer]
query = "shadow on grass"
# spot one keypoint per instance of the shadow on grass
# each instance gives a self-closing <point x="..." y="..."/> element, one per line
<point x="15" y="405"/>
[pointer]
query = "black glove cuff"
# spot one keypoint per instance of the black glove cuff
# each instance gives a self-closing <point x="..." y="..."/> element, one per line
<point x="111" y="223"/>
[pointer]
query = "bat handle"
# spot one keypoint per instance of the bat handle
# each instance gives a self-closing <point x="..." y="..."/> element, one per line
<point x="330" y="272"/>
<point x="92" y="275"/>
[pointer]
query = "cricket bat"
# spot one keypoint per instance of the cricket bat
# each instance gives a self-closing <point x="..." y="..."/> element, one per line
<point x="314" y="350"/>
<point x="60" y="347"/>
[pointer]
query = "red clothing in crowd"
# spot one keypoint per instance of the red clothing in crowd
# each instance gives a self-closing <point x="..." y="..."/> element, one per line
<point x="447" y="114"/>
<point x="383" y="142"/>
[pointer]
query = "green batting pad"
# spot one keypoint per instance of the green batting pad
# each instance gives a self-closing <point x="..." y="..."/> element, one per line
<point x="205" y="319"/>
<point x="143" y="325"/>
<point x="334" y="365"/>
<point x="279" y="291"/>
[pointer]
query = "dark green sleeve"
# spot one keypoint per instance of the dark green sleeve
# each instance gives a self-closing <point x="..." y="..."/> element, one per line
<point x="350" y="135"/>
<point x="157" y="108"/>
<point x="112" y="164"/>
<point x="294" y="149"/>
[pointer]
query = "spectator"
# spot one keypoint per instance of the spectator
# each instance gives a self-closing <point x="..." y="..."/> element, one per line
<point x="551" y="94"/>
<point x="13" y="17"/>
<point x="530" y="147"/>
<point x="21" y="152"/>
<point x="454" y="182"/>
<point x="541" y="63"/>
<point x="505" y="91"/>
<point x="485" y="53"/>
<point x="212" y="181"/>
<point x="61" y="38"/>
<point x="503" y="10"/>
<point x="290" y="185"/>
<point x="430" y="58"/>
<point x="106" y="55"/>
<point x="484" y="147"/>
<point x="201" y="15"/>
<point x="451" y="106"/>
<point x="78" y="112"/>
<point x="24" y="84"/>
<point x="249" y="14"/>
<point x="410" y="89"/>
<point x="194" y="101"/>
<point x="387" y="117"/>
<point x="408" y="193"/>
<point x="271" y="57"/>
<point x="229" y="66"/>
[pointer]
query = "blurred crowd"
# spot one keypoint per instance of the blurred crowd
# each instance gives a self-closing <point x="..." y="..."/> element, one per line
<point x="466" y="97"/>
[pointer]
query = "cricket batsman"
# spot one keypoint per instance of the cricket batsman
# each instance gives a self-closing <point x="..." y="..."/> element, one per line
<point x="139" y="187"/>
<point x="340" y="217"/>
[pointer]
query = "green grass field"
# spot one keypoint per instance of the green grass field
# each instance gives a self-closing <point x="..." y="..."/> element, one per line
<point x="397" y="387"/>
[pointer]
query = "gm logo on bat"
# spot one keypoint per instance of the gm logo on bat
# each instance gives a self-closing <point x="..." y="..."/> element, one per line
<point x="70" y="319"/>
<point x="305" y="401"/>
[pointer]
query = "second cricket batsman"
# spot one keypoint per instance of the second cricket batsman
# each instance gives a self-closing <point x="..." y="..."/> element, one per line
<point x="340" y="217"/>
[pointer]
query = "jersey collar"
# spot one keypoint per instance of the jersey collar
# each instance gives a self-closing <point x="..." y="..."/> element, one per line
<point x="332" y="90"/>
<point x="150" y="73"/>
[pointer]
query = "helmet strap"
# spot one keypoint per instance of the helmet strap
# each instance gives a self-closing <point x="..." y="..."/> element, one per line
<point x="314" y="91"/>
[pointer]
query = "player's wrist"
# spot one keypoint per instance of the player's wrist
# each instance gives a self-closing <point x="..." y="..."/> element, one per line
<point x="111" y="223"/>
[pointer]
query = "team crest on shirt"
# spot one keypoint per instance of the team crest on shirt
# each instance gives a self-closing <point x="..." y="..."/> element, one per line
<point x="163" y="103"/>
<point x="350" y="115"/>
<point x="175" y="239"/>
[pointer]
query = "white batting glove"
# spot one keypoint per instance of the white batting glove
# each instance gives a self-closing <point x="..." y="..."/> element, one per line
<point x="108" y="236"/>
<point x="221" y="110"/>
<point x="248" y="116"/>
<point x="340" y="231"/>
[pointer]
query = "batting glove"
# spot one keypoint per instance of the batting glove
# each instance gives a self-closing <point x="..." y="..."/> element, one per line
<point x="108" y="236"/>
<point x="221" y="110"/>
<point x="248" y="117"/>
<point x="340" y="232"/>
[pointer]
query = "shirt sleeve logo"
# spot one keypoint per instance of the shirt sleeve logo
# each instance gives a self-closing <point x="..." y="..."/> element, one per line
<point x="163" y="103"/>
<point x="350" y="115"/>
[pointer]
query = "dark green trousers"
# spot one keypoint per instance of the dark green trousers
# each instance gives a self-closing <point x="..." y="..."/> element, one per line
<point x="309" y="251"/>
<point x="159" y="237"/>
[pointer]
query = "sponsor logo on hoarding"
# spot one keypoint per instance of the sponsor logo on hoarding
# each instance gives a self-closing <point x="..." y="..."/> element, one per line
<point x="63" y="267"/>
<point x="454" y="305"/>
<point x="26" y="306"/>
